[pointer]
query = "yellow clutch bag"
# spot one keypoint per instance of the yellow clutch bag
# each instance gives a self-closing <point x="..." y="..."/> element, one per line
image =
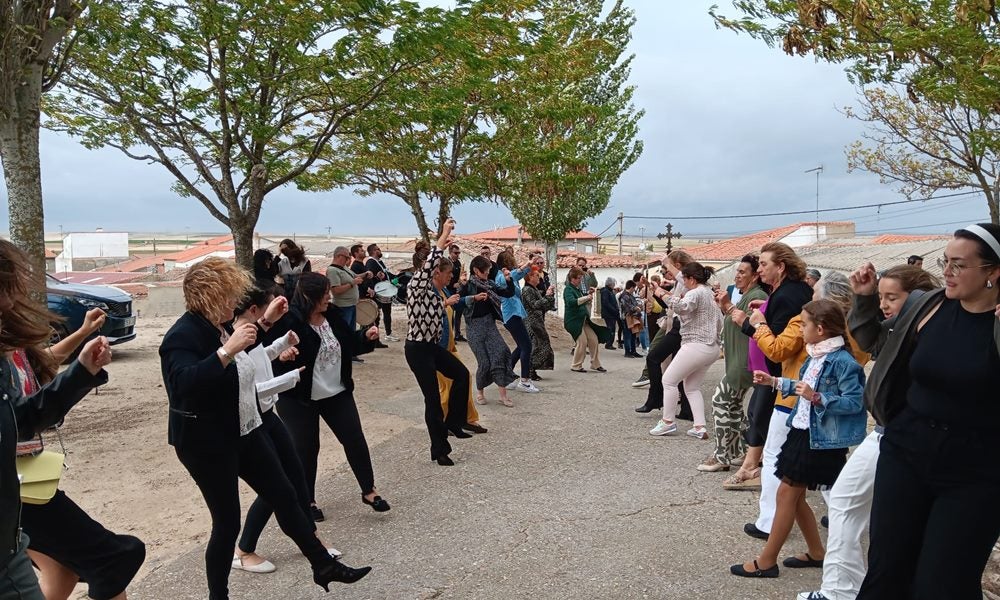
<point x="39" y="476"/>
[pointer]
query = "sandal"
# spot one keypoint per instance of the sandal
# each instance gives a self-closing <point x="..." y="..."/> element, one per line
<point x="481" y="400"/>
<point x="743" y="480"/>
<point x="507" y="402"/>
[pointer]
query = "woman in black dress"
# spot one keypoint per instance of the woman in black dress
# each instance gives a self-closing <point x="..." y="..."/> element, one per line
<point x="202" y="384"/>
<point x="537" y="302"/>
<point x="493" y="357"/>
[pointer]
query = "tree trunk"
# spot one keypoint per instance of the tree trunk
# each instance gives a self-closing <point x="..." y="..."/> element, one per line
<point x="444" y="212"/>
<point x="242" y="230"/>
<point x="551" y="259"/>
<point x="418" y="214"/>
<point x="22" y="169"/>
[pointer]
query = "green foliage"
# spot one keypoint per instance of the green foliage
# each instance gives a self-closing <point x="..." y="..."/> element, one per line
<point x="235" y="98"/>
<point x="944" y="51"/>
<point x="571" y="129"/>
<point x="928" y="146"/>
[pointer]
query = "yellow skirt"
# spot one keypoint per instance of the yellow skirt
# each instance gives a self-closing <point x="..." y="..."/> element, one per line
<point x="444" y="387"/>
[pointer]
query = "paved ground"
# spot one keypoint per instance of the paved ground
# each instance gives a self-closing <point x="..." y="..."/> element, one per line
<point x="567" y="496"/>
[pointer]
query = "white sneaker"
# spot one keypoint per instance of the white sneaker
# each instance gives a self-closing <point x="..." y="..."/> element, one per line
<point x="812" y="596"/>
<point x="698" y="432"/>
<point x="264" y="567"/>
<point x="641" y="382"/>
<point x="527" y="386"/>
<point x="391" y="338"/>
<point x="663" y="428"/>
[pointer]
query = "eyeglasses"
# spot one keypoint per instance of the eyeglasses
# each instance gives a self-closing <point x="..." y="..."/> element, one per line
<point x="956" y="269"/>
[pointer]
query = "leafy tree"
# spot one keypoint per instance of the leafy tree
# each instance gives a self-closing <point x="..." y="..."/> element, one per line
<point x="943" y="51"/>
<point x="927" y="146"/>
<point x="433" y="138"/>
<point x="35" y="39"/>
<point x="571" y="131"/>
<point x="235" y="98"/>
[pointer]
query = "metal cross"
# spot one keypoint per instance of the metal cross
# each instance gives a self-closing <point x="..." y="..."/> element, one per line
<point x="669" y="236"/>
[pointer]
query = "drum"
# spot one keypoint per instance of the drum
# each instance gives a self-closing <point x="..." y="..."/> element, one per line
<point x="385" y="292"/>
<point x="367" y="313"/>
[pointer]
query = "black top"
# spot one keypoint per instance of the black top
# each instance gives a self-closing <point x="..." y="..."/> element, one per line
<point x="954" y="366"/>
<point x="309" y="342"/>
<point x="24" y="417"/>
<point x="203" y="395"/>
<point x="456" y="274"/>
<point x="358" y="268"/>
<point x="609" y="304"/>
<point x="783" y="305"/>
<point x="486" y="307"/>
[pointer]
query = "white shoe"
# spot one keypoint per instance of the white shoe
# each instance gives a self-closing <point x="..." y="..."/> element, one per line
<point x="391" y="338"/>
<point x="264" y="567"/>
<point x="335" y="553"/>
<point x="698" y="432"/>
<point x="527" y="386"/>
<point x="512" y="384"/>
<point x="641" y="382"/>
<point x="663" y="428"/>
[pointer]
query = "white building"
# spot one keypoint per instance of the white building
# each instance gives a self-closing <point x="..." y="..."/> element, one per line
<point x="90" y="250"/>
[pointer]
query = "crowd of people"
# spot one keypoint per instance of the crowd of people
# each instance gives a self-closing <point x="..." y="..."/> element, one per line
<point x="258" y="359"/>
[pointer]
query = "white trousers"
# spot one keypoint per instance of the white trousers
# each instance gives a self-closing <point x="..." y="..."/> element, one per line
<point x="777" y="433"/>
<point x="850" y="505"/>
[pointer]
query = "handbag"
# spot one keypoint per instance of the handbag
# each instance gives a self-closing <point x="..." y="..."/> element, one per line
<point x="39" y="475"/>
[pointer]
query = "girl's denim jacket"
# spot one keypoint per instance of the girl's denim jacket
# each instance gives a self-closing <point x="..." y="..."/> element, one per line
<point x="840" y="419"/>
<point x="512" y="307"/>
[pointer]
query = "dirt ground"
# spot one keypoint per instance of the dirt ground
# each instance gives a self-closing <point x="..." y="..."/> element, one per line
<point x="125" y="475"/>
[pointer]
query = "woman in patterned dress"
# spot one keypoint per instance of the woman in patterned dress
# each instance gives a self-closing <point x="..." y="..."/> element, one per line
<point x="537" y="304"/>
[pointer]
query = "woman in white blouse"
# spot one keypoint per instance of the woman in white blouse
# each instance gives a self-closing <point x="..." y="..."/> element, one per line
<point x="701" y="325"/>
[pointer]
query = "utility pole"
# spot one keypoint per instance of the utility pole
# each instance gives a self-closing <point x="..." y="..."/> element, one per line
<point x="670" y="235"/>
<point x="817" y="170"/>
<point x="621" y="227"/>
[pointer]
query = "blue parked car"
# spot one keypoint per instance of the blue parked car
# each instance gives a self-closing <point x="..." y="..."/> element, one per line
<point x="71" y="301"/>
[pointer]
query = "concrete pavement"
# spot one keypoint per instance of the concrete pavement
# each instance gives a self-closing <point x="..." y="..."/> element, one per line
<point x="567" y="496"/>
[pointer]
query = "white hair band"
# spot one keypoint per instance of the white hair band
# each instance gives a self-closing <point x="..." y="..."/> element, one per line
<point x="986" y="236"/>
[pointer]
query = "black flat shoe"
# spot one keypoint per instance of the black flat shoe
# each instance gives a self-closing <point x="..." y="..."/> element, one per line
<point x="316" y="514"/>
<point x="738" y="570"/>
<point x="460" y="338"/>
<point x="794" y="562"/>
<point x="609" y="347"/>
<point x="444" y="461"/>
<point x="600" y="370"/>
<point x="378" y="504"/>
<point x="474" y="428"/>
<point x="579" y="370"/>
<point x="825" y="521"/>
<point x="644" y="409"/>
<point x="751" y="530"/>
<point x="338" y="571"/>
<point x="457" y="432"/>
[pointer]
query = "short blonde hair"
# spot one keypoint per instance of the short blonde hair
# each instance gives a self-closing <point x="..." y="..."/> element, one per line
<point x="214" y="284"/>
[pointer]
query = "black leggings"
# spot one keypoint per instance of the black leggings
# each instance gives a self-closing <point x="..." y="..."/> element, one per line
<point x="667" y="346"/>
<point x="217" y="474"/>
<point x="62" y="531"/>
<point x="260" y="511"/>
<point x="426" y="360"/>
<point x="386" y="316"/>
<point x="934" y="520"/>
<point x="341" y="415"/>
<point x="523" y="350"/>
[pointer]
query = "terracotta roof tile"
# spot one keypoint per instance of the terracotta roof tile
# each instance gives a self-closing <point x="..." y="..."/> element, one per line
<point x="897" y="238"/>
<point x="145" y="263"/>
<point x="192" y="253"/>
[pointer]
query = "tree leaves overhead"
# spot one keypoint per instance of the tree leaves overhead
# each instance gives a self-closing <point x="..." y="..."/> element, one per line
<point x="943" y="51"/>
<point x="928" y="146"/>
<point x="235" y="98"/>
<point x="571" y="130"/>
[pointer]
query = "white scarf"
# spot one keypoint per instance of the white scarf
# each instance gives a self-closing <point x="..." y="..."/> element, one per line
<point x="820" y="349"/>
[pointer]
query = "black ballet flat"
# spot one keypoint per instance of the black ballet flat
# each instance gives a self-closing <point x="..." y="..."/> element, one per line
<point x="645" y="408"/>
<point x="759" y="573"/>
<point x="794" y="562"/>
<point x="338" y="571"/>
<point x="378" y="504"/>
<point x="444" y="461"/>
<point x="474" y="428"/>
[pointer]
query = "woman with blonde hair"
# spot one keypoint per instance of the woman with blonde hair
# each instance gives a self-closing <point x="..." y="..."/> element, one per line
<point x="198" y="362"/>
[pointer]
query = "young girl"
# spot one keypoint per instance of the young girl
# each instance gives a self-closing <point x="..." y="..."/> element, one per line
<point x="828" y="419"/>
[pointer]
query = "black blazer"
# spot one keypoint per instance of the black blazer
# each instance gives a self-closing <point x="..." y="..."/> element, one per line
<point x="351" y="344"/>
<point x="203" y="395"/>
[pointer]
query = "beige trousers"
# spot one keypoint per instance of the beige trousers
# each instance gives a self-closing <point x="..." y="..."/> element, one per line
<point x="586" y="341"/>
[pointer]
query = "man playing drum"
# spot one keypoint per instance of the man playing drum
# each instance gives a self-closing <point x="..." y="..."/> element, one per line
<point x="384" y="289"/>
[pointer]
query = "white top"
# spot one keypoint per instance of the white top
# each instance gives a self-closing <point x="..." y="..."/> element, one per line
<point x="803" y="407"/>
<point x="326" y="371"/>
<point x="249" y="417"/>
<point x="701" y="319"/>
<point x="285" y="266"/>
<point x="269" y="386"/>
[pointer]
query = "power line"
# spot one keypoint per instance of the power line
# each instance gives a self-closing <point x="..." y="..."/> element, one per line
<point x="963" y="222"/>
<point x="801" y="212"/>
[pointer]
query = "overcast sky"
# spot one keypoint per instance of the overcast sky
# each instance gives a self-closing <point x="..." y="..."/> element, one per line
<point x="730" y="126"/>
